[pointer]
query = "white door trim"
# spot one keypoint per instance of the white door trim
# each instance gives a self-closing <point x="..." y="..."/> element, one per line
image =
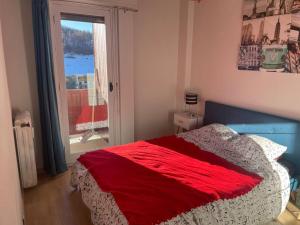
<point x="133" y="4"/>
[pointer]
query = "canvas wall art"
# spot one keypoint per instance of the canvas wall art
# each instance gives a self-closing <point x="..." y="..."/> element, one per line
<point x="270" y="36"/>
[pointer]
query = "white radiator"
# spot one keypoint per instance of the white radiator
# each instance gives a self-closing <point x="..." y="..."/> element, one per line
<point x="25" y="148"/>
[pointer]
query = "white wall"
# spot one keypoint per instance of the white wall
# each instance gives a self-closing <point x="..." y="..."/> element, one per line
<point x="20" y="61"/>
<point x="186" y="27"/>
<point x="10" y="193"/>
<point x="214" y="70"/>
<point x="156" y="57"/>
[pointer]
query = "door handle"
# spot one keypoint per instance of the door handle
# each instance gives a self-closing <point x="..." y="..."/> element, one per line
<point x="111" y="87"/>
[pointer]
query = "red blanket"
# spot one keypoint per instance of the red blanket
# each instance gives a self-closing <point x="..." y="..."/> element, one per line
<point x="154" y="181"/>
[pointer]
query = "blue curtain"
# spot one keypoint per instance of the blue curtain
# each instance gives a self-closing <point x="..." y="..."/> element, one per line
<point x="53" y="149"/>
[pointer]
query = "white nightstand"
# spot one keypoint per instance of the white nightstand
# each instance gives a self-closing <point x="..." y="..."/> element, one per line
<point x="187" y="121"/>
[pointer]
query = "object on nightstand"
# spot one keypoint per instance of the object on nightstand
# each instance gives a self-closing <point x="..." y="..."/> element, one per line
<point x="187" y="121"/>
<point x="191" y="99"/>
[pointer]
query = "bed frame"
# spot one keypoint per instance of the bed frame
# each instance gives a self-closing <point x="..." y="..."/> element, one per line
<point x="281" y="130"/>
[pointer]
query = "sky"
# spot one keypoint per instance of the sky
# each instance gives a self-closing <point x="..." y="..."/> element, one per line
<point x="84" y="26"/>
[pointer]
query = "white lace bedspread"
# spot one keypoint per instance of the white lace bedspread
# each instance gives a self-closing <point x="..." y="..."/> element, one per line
<point x="260" y="206"/>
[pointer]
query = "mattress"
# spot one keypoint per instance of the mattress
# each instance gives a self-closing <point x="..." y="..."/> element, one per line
<point x="262" y="202"/>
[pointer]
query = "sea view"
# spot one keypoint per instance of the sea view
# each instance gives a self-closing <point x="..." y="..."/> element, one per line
<point x="78" y="64"/>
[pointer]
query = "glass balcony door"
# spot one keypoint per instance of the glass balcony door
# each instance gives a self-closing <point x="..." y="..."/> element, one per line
<point x="85" y="69"/>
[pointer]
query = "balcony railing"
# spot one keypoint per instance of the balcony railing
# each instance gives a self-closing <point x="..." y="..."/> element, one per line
<point x="80" y="112"/>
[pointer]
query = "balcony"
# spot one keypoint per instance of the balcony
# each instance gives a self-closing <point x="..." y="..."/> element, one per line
<point x="81" y="119"/>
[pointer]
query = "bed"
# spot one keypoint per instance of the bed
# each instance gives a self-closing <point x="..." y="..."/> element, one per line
<point x="209" y="176"/>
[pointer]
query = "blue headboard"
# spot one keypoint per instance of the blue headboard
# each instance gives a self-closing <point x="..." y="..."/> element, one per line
<point x="280" y="130"/>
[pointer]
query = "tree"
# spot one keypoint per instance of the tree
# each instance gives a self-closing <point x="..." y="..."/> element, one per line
<point x="77" y="41"/>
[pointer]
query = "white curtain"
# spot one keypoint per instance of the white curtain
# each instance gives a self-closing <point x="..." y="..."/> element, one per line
<point x="100" y="53"/>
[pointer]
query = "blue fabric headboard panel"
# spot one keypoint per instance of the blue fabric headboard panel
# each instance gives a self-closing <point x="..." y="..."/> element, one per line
<point x="278" y="129"/>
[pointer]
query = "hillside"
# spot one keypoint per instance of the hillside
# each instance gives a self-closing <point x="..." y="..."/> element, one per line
<point x="77" y="41"/>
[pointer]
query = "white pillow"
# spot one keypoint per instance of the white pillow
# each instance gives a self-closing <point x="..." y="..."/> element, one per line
<point x="210" y="137"/>
<point x="248" y="151"/>
<point x="256" y="148"/>
<point x="227" y="144"/>
<point x="271" y="149"/>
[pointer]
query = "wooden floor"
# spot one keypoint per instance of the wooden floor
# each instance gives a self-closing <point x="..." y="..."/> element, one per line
<point x="286" y="218"/>
<point x="54" y="202"/>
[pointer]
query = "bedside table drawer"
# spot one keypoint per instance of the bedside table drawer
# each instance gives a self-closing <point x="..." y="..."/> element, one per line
<point x="178" y="121"/>
<point x="186" y="122"/>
